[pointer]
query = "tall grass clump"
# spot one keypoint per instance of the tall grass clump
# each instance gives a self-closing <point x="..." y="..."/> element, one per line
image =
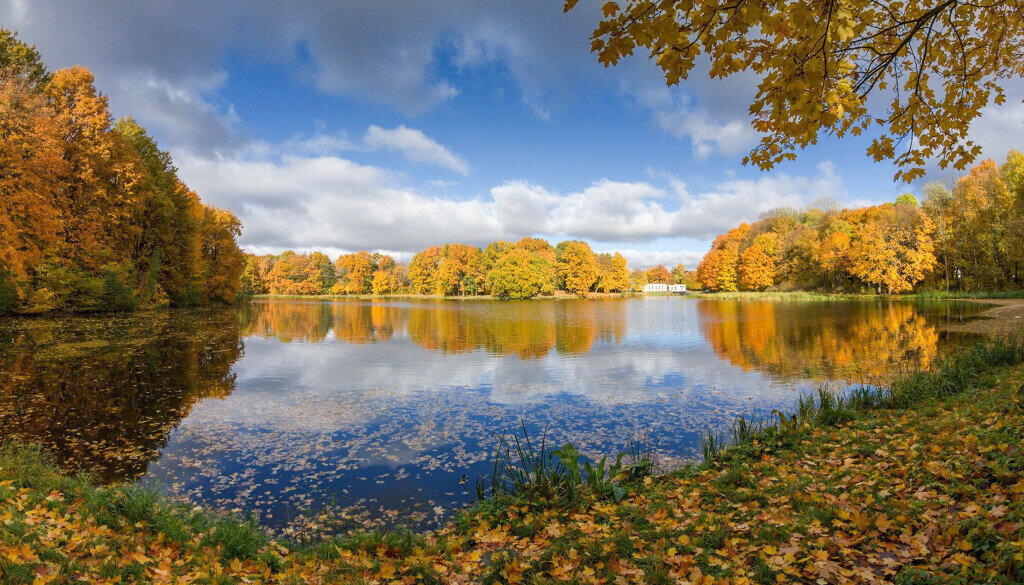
<point x="533" y="470"/>
<point x="955" y="374"/>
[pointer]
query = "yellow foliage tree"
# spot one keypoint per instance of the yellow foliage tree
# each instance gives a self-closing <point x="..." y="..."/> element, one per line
<point x="893" y="250"/>
<point x="938" y="63"/>
<point x="578" y="268"/>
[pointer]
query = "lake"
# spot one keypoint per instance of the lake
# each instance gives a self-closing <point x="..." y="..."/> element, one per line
<point x="325" y="416"/>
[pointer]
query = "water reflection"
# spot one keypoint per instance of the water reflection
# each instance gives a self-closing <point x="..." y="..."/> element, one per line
<point x="370" y="411"/>
<point x="103" y="393"/>
<point x="528" y="330"/>
<point x="855" y="341"/>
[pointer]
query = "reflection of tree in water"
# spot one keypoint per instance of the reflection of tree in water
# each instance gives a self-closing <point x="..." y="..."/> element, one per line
<point x="529" y="329"/>
<point x="852" y="341"/>
<point x="103" y="393"/>
<point x="286" y="321"/>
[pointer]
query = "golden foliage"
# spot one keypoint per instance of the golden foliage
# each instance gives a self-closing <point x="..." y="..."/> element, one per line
<point x="92" y="214"/>
<point x="934" y="65"/>
<point x="578" y="268"/>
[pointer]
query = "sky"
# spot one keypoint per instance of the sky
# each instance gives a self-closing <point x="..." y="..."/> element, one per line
<point x="393" y="125"/>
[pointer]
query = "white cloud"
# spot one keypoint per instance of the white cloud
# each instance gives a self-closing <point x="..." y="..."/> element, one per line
<point x="668" y="258"/>
<point x="1000" y="127"/>
<point x="415" y="146"/>
<point x="707" y="135"/>
<point x="286" y="199"/>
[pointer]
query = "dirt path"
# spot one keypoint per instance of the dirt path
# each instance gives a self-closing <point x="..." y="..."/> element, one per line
<point x="1006" y="317"/>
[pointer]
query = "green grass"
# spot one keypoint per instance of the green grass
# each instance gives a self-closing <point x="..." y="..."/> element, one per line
<point x="781" y="296"/>
<point x="928" y="295"/>
<point x="942" y="295"/>
<point x="950" y="376"/>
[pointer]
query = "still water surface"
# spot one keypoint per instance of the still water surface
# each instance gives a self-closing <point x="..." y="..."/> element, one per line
<point x="329" y="415"/>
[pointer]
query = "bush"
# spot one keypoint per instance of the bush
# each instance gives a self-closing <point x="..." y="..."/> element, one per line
<point x="8" y="292"/>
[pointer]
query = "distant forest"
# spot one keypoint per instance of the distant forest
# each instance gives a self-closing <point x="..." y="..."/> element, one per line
<point x="520" y="270"/>
<point x="968" y="238"/>
<point x="93" y="215"/>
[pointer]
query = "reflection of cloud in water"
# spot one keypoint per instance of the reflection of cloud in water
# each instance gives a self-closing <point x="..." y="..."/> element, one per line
<point x="375" y="402"/>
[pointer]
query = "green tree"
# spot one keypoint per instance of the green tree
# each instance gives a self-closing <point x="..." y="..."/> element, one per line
<point x="679" y="274"/>
<point x="519" y="274"/>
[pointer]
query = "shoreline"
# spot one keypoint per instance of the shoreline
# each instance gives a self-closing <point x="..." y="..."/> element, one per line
<point x="1005" y="318"/>
<point x="839" y="489"/>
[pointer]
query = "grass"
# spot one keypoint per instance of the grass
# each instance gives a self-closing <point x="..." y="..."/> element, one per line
<point x="529" y="470"/>
<point x="781" y="296"/>
<point x="919" y="481"/>
<point x="942" y="295"/>
<point x="950" y="376"/>
<point x="825" y="296"/>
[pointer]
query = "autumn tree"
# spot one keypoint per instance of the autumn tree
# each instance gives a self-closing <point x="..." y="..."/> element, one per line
<point x="222" y="261"/>
<point x="983" y="212"/>
<point x="893" y="250"/>
<point x="519" y="274"/>
<point x="578" y="268"/>
<point x="659" y="274"/>
<point x="31" y="164"/>
<point x="915" y="75"/>
<point x="254" y="274"/>
<point x="354" y="273"/>
<point x="831" y="256"/>
<point x="389" y="276"/>
<point x="756" y="269"/>
<point x="637" y="280"/>
<point x="93" y="215"/>
<point x="938" y="205"/>
<point x="708" y="269"/>
<point x="423" y="270"/>
<point x="294" y="274"/>
<point x="679" y="274"/>
<point x="547" y="264"/>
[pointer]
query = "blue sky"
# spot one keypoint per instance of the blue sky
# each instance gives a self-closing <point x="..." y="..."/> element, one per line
<point x="394" y="125"/>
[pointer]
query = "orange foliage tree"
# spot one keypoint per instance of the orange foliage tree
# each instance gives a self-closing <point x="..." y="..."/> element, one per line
<point x="92" y="213"/>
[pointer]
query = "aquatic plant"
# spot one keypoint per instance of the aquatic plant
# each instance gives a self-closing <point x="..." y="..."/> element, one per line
<point x="525" y="468"/>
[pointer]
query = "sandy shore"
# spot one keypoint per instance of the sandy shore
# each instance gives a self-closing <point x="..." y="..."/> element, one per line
<point x="1006" y="317"/>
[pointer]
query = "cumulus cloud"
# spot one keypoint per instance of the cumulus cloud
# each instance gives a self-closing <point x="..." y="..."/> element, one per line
<point x="286" y="199"/>
<point x="387" y="52"/>
<point x="1000" y="127"/>
<point x="328" y="201"/>
<point x="611" y="211"/>
<point x="415" y="146"/>
<point x="669" y="258"/>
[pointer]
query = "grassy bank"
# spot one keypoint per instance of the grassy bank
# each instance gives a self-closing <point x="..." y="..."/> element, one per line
<point x="823" y="296"/>
<point x="942" y="295"/>
<point x="781" y="296"/>
<point x="739" y="295"/>
<point x="918" y="482"/>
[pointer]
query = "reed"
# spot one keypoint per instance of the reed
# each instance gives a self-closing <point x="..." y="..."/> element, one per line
<point x="530" y="469"/>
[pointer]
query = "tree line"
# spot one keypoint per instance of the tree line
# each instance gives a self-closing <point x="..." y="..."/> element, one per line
<point x="968" y="237"/>
<point x="519" y="270"/>
<point x="93" y="215"/>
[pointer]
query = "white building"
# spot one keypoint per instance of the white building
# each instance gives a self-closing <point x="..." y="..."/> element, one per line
<point x="656" y="287"/>
<point x="677" y="288"/>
